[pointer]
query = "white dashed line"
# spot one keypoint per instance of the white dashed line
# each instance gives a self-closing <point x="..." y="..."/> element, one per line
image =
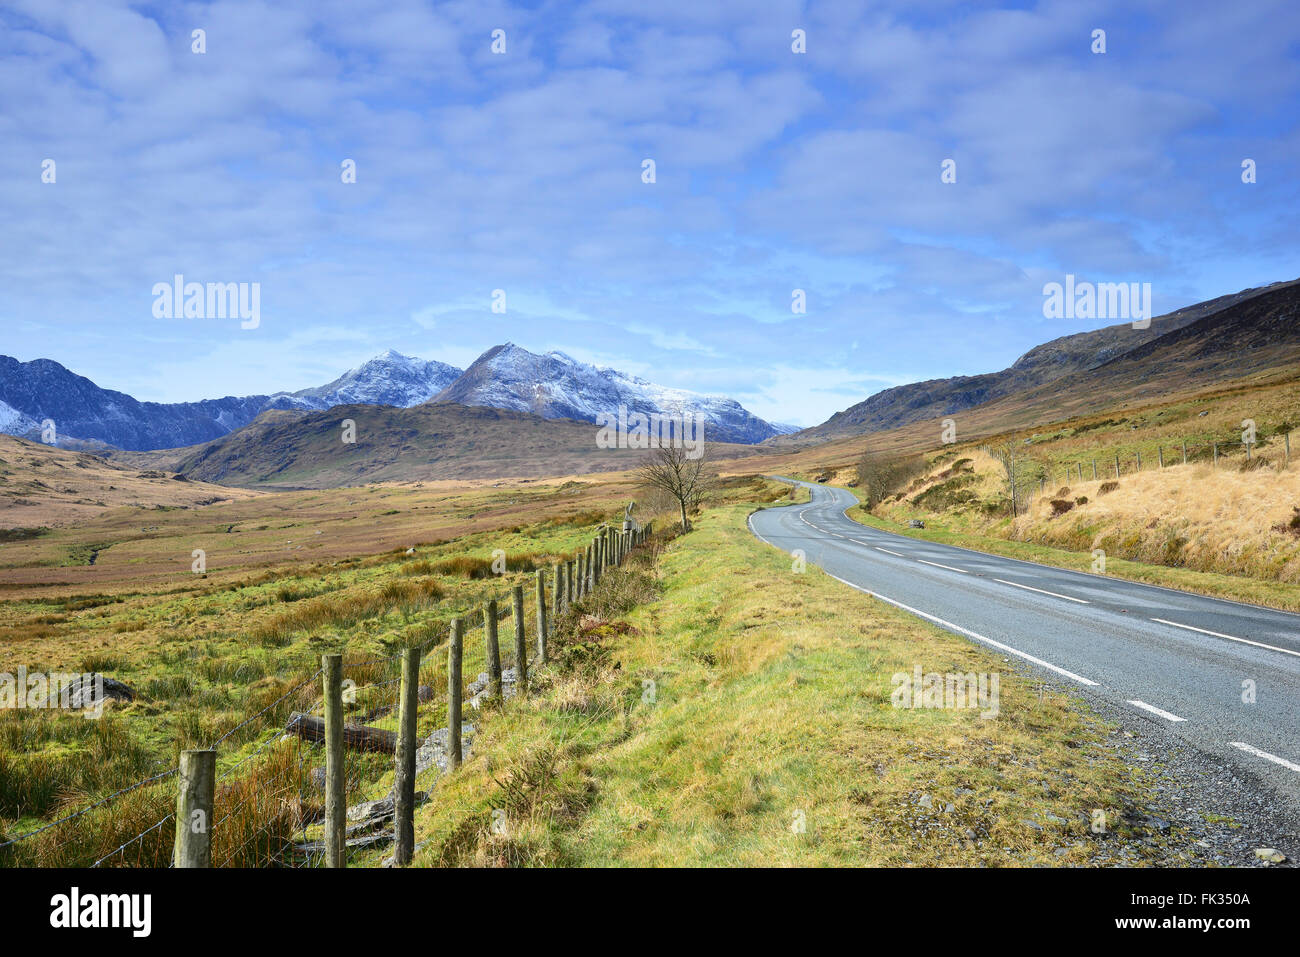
<point x="1244" y="641"/>
<point x="1167" y="715"/>
<point x="1042" y="591"/>
<point x="888" y="552"/>
<point x="1265" y="755"/>
<point x="969" y="634"/>
<point x="949" y="567"/>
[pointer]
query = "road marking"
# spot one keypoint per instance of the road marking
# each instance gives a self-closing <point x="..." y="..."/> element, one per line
<point x="1042" y="591"/>
<point x="949" y="567"/>
<point x="970" y="634"/>
<point x="1265" y="755"/>
<point x="887" y="551"/>
<point x="1168" y="716"/>
<point x="1244" y="641"/>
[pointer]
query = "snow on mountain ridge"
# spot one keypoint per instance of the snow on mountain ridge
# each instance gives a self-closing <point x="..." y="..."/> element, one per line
<point x="557" y="386"/>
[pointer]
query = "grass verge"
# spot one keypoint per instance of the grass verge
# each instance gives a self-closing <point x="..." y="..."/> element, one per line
<point x="740" y="714"/>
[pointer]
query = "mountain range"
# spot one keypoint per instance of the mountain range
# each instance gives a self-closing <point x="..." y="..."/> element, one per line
<point x="553" y="386"/>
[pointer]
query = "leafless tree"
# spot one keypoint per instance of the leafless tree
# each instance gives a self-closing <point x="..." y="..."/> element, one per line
<point x="671" y="470"/>
<point x="1018" y="472"/>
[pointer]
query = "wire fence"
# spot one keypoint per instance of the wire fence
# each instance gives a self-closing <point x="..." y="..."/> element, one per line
<point x="269" y="794"/>
<point x="1247" y="452"/>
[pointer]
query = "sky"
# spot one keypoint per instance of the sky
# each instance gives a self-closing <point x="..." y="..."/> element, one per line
<point x="523" y="171"/>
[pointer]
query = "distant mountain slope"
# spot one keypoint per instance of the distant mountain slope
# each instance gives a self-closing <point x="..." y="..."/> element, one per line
<point x="83" y="412"/>
<point x="1044" y="364"/>
<point x="291" y="449"/>
<point x="43" y="389"/>
<point x="556" y="386"/>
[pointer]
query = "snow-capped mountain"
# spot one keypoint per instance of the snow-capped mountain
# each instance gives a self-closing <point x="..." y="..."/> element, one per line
<point x="14" y="422"/>
<point x="390" y="379"/>
<point x="554" y="386"/>
<point x="33" y="391"/>
<point x="557" y="386"/>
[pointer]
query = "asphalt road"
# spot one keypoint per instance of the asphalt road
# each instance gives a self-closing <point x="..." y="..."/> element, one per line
<point x="1165" y="656"/>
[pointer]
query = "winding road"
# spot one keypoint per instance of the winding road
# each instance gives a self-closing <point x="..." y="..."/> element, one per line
<point x="1186" y="661"/>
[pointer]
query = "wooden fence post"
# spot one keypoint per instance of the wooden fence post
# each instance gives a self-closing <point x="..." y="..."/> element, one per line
<point x="1116" y="465"/>
<point x="454" y="651"/>
<point x="568" y="583"/>
<point x="1139" y="454"/>
<point x="335" y="802"/>
<point x="1160" y="454"/>
<point x="542" y="624"/>
<point x="521" y="643"/>
<point x="557" y="587"/>
<point x="1288" y="448"/>
<point x="1216" y="455"/>
<point x="595" y="568"/>
<point x="196" y="783"/>
<point x="1094" y="470"/>
<point x="404" y="773"/>
<point x="493" y="649"/>
<point x="1184" y="451"/>
<point x="591" y="567"/>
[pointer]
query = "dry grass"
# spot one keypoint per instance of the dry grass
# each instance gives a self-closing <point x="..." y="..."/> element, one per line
<point x="1218" y="520"/>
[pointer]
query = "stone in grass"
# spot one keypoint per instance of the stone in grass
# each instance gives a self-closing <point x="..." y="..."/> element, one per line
<point x="915" y="523"/>
<point x="434" y="749"/>
<point x="1270" y="855"/>
<point x="86" y="691"/>
<point x="478" y="687"/>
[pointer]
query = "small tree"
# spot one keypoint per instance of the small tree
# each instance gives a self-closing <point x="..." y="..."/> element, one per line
<point x="671" y="470"/>
<point x="1018" y="472"/>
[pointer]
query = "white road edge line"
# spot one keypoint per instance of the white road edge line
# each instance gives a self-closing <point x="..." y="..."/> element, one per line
<point x="1042" y="591"/>
<point x="1167" y="715"/>
<point x="949" y="567"/>
<point x="970" y="634"/>
<point x="1265" y="755"/>
<point x="887" y="551"/>
<point x="1244" y="641"/>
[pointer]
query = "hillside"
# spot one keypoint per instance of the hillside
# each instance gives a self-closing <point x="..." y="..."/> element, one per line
<point x="42" y="487"/>
<point x="436" y="441"/>
<point x="1083" y="356"/>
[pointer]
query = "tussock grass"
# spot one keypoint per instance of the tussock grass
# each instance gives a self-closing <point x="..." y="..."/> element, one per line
<point x="348" y="608"/>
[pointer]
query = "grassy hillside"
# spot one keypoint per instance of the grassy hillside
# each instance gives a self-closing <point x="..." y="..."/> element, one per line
<point x="442" y="441"/>
<point x="43" y="487"/>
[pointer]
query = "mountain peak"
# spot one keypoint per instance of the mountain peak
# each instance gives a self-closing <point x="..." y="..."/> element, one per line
<point x="555" y="385"/>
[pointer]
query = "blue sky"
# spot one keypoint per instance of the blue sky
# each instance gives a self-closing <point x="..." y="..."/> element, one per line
<point x="522" y="171"/>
